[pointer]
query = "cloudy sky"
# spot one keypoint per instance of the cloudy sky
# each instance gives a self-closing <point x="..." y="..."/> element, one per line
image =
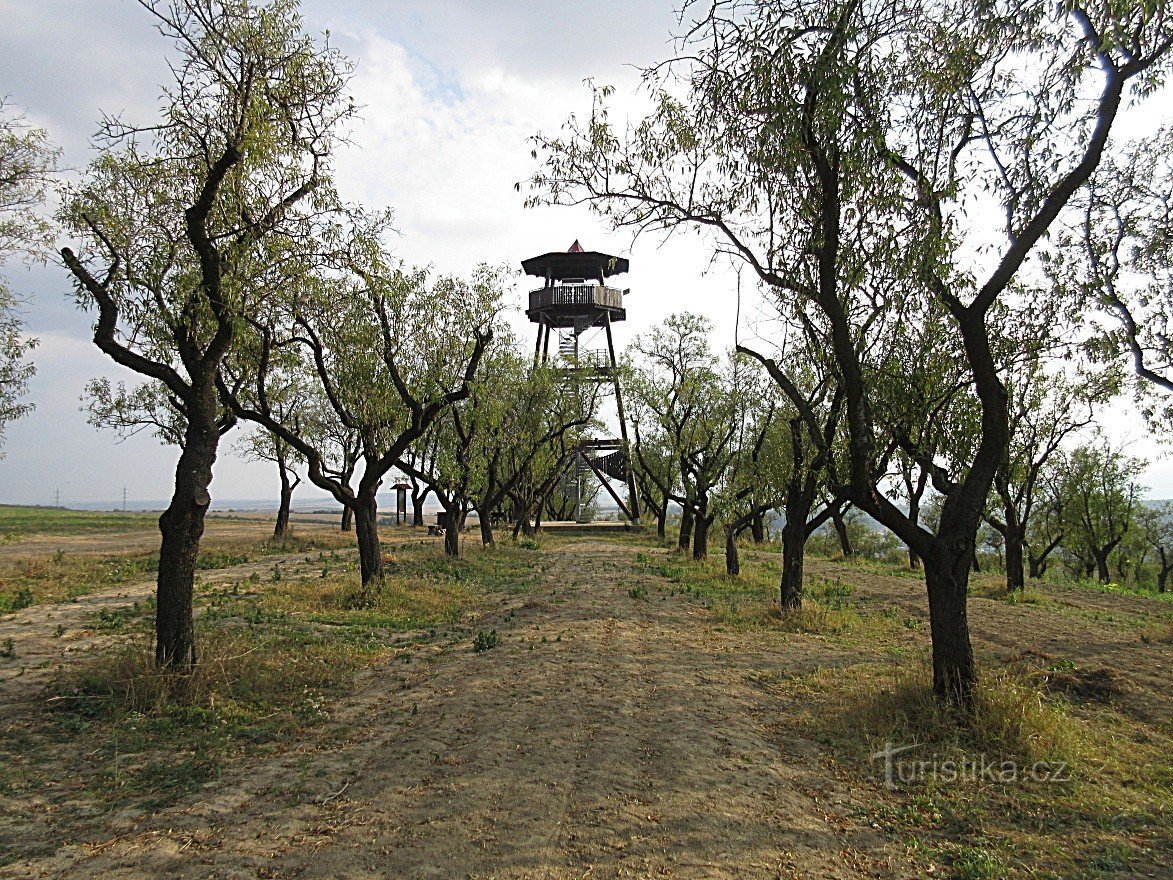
<point x="450" y="90"/>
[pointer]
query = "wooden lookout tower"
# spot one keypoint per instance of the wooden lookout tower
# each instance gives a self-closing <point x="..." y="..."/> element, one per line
<point x="576" y="303"/>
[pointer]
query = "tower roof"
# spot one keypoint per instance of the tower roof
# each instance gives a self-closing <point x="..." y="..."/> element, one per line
<point x="574" y="263"/>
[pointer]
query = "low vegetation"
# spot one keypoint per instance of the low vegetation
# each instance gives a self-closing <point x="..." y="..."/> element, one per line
<point x="38" y="579"/>
<point x="283" y="645"/>
<point x="18" y="522"/>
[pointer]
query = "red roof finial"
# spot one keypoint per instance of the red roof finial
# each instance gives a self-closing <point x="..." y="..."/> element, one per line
<point x="575" y="248"/>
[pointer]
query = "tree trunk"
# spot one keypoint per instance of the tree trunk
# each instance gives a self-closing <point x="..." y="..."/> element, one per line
<point x="662" y="522"/>
<point x="281" y="529"/>
<point x="793" y="545"/>
<point x="486" y="530"/>
<point x="1102" y="565"/>
<point x="841" y="531"/>
<point x="1036" y="565"/>
<point x="182" y="526"/>
<point x="757" y="528"/>
<point x="800" y="498"/>
<point x="417" y="511"/>
<point x="700" y="536"/>
<point x="366" y="525"/>
<point x="1014" y="572"/>
<point x="914" y="515"/>
<point x="1163" y="578"/>
<point x="947" y="582"/>
<point x="453" y="521"/>
<point x="700" y="527"/>
<point x="347" y="519"/>
<point x="684" y="539"/>
<point x="732" y="562"/>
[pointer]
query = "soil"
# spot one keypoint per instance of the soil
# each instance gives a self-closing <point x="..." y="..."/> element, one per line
<point x="45" y="637"/>
<point x="606" y="736"/>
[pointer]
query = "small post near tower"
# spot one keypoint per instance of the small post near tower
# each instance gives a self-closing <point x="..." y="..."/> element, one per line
<point x="576" y="303"/>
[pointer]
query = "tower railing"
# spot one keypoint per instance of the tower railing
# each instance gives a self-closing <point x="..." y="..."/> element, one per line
<point x="576" y="295"/>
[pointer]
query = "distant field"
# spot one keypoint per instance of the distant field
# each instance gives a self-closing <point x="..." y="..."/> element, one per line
<point x="20" y="521"/>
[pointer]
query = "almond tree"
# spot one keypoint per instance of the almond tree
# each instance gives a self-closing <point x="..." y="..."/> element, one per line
<point x="1119" y="260"/>
<point x="486" y="445"/>
<point x="1156" y="521"/>
<point x="174" y="222"/>
<point x="836" y="147"/>
<point x="1101" y="497"/>
<point x="1046" y="409"/>
<point x="27" y="163"/>
<point x="390" y="350"/>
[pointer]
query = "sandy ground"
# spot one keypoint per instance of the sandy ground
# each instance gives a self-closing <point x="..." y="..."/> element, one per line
<point x="605" y="737"/>
<point x="141" y="540"/>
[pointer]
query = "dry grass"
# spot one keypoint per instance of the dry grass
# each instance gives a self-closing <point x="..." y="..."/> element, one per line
<point x="242" y="675"/>
<point x="1086" y="787"/>
<point x="59" y="576"/>
<point x="751" y="602"/>
<point x="1011" y="716"/>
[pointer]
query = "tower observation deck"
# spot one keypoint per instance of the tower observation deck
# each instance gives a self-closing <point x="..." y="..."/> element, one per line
<point x="574" y="299"/>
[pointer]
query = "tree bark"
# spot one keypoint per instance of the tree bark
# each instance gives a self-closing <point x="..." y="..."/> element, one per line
<point x="281" y="528"/>
<point x="453" y="522"/>
<point x="684" y="539"/>
<point x="841" y="530"/>
<point x="366" y="525"/>
<point x="1014" y="566"/>
<point x="797" y="511"/>
<point x="947" y="582"/>
<point x="417" y="511"/>
<point x="347" y="519"/>
<point x="732" y="561"/>
<point x="662" y="522"/>
<point x="790" y="586"/>
<point x="1101" y="558"/>
<point x="757" y="528"/>
<point x="914" y="517"/>
<point x="700" y="528"/>
<point x="486" y="530"/>
<point x="182" y="526"/>
<point x="700" y="537"/>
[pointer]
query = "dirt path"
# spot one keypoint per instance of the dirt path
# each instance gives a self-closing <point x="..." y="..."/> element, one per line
<point x="606" y="736"/>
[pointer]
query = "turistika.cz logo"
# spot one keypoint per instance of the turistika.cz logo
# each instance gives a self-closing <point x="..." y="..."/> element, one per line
<point x="966" y="768"/>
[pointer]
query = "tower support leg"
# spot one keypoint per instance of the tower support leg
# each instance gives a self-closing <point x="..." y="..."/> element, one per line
<point x="632" y="496"/>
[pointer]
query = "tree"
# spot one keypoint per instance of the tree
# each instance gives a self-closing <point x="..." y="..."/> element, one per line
<point x="260" y="445"/>
<point x="1156" y="522"/>
<point x="27" y="163"/>
<point x="1046" y="408"/>
<point x="175" y="223"/>
<point x="654" y="462"/>
<point x="486" y="444"/>
<point x="419" y="456"/>
<point x="388" y="349"/>
<point x="682" y="395"/>
<point x="1100" y="501"/>
<point x="1119" y="259"/>
<point x="813" y="402"/>
<point x="757" y="476"/>
<point x="834" y="148"/>
<point x="1044" y="531"/>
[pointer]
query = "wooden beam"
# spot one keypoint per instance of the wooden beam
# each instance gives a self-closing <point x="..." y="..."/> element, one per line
<point x="633" y="515"/>
<point x="606" y="485"/>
